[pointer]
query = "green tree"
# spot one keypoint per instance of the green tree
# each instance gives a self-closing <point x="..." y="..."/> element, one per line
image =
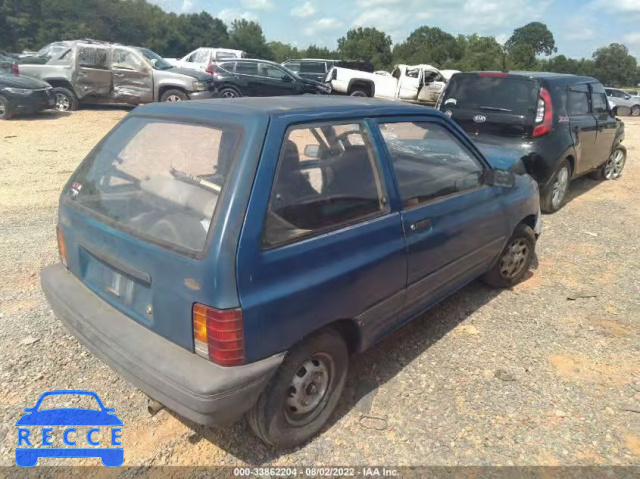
<point x="521" y="57"/>
<point x="283" y="51"/>
<point x="247" y="35"/>
<point x="480" y="53"/>
<point x="614" y="66"/>
<point x="366" y="44"/>
<point x="314" y="51"/>
<point x="536" y="35"/>
<point x="429" y="45"/>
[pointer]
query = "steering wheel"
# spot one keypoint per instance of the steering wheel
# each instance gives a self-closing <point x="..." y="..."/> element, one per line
<point x="344" y="135"/>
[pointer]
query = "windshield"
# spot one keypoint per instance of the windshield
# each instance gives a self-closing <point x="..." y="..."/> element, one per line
<point x="157" y="62"/>
<point x="509" y="95"/>
<point x="164" y="187"/>
<point x="290" y="72"/>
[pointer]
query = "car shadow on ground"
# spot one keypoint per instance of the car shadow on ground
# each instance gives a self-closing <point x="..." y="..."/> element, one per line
<point x="43" y="115"/>
<point x="579" y="187"/>
<point x="368" y="371"/>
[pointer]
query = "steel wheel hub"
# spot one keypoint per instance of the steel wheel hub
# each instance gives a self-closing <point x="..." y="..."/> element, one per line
<point x="62" y="102"/>
<point x="174" y="98"/>
<point x="228" y="94"/>
<point x="560" y="187"/>
<point x="308" y="389"/>
<point x="614" y="166"/>
<point x="514" y="258"/>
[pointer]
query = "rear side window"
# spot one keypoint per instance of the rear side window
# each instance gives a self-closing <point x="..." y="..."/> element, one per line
<point x="293" y="66"/>
<point x="429" y="162"/>
<point x="312" y="67"/>
<point x="599" y="99"/>
<point x="503" y="94"/>
<point x="164" y="187"/>
<point x="327" y="178"/>
<point x="247" y="68"/>
<point x="578" y="100"/>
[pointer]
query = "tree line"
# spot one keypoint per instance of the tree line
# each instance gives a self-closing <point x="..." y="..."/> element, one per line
<point x="31" y="24"/>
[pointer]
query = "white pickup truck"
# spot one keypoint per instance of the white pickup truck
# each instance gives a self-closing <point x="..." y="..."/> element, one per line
<point x="201" y="58"/>
<point x="413" y="83"/>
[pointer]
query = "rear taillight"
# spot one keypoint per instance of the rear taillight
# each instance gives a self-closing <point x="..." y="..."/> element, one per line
<point x="15" y="69"/>
<point x="493" y="75"/>
<point x="218" y="334"/>
<point x="544" y="114"/>
<point x="211" y="69"/>
<point x="62" y="247"/>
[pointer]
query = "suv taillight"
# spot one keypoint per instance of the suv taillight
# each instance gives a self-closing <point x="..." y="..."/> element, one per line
<point x="218" y="334"/>
<point x="211" y="69"/>
<point x="15" y="69"/>
<point x="544" y="114"/>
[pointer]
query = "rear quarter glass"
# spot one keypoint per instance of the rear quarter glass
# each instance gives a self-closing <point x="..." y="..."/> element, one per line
<point x="158" y="180"/>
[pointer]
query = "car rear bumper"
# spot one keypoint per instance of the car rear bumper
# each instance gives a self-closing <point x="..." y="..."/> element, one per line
<point x="194" y="387"/>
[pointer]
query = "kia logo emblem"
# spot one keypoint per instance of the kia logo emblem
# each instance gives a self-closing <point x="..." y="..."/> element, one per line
<point x="479" y="118"/>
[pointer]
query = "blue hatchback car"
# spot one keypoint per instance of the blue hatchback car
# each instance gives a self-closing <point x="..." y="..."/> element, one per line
<point x="227" y="256"/>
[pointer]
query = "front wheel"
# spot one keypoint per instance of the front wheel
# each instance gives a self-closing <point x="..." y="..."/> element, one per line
<point x="554" y="193"/>
<point x="612" y="169"/>
<point x="635" y="110"/>
<point x="66" y="100"/>
<point x="229" y="93"/>
<point x="515" y="259"/>
<point x="303" y="392"/>
<point x="174" y="95"/>
<point x="358" y="92"/>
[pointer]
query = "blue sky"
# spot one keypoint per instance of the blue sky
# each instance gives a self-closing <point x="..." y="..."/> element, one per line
<point x="579" y="26"/>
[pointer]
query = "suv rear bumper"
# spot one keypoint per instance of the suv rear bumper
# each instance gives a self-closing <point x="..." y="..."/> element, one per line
<point x="194" y="387"/>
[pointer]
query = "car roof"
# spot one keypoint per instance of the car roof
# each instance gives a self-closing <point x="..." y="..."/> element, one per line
<point x="306" y="106"/>
<point x="560" y="78"/>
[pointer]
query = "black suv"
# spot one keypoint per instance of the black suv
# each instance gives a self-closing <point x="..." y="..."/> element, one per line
<point x="317" y="68"/>
<point x="561" y="126"/>
<point x="242" y="77"/>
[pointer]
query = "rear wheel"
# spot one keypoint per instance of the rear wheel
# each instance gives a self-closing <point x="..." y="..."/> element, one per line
<point x="358" y="92"/>
<point x="515" y="259"/>
<point x="229" y="92"/>
<point x="303" y="392"/>
<point x="174" y="95"/>
<point x="5" y="109"/>
<point x="556" y="190"/>
<point x="66" y="100"/>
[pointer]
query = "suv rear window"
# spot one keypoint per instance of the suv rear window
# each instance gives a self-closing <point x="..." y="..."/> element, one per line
<point x="159" y="186"/>
<point x="503" y="94"/>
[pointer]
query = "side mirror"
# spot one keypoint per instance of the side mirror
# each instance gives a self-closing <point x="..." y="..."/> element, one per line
<point x="312" y="151"/>
<point x="287" y="79"/>
<point x="627" y="97"/>
<point x="501" y="178"/>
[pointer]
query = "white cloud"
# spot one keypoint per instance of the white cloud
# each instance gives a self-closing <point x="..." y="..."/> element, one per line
<point x="624" y="6"/>
<point x="303" y="11"/>
<point x="385" y="19"/>
<point x="502" y="38"/>
<point x="187" y="6"/>
<point x="323" y="25"/>
<point x="228" y="15"/>
<point x="257" y="4"/>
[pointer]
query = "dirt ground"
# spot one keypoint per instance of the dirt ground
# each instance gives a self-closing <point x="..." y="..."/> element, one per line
<point x="547" y="373"/>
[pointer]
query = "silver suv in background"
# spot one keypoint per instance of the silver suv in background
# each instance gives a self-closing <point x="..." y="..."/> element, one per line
<point x="622" y="98"/>
<point x="99" y="73"/>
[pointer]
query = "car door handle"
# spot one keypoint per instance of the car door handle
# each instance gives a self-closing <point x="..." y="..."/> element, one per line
<point x="421" y="225"/>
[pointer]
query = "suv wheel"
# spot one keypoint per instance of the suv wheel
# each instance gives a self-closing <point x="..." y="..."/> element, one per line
<point x="612" y="169"/>
<point x="229" y="93"/>
<point x="303" y="392"/>
<point x="66" y="100"/>
<point x="174" y="95"/>
<point x="635" y="110"/>
<point x="5" y="111"/>
<point x="358" y="92"/>
<point x="556" y="190"/>
<point x="515" y="259"/>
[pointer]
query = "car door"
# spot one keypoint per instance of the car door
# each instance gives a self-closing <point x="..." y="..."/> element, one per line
<point x="132" y="77"/>
<point x="274" y="81"/>
<point x="313" y="251"/>
<point x="584" y="128"/>
<point x="409" y="83"/>
<point x="607" y="125"/>
<point x="252" y="84"/>
<point x="454" y="225"/>
<point x="92" y="76"/>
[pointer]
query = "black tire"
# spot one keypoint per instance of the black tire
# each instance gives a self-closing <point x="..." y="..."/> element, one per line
<point x="553" y="195"/>
<point x="612" y="168"/>
<point x="358" y="92"/>
<point x="229" y="92"/>
<point x="509" y="268"/>
<point x="273" y="418"/>
<point x="174" y="95"/>
<point x="635" y="110"/>
<point x="66" y="100"/>
<point x="5" y="109"/>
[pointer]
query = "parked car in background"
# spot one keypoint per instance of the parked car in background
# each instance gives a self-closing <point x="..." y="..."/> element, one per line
<point x="414" y="83"/>
<point x="22" y="94"/>
<point x="622" y="98"/>
<point x="100" y="72"/>
<point x="561" y="126"/>
<point x="232" y="265"/>
<point x="8" y="64"/>
<point x="247" y="77"/>
<point x="201" y="58"/>
<point x="317" y="68"/>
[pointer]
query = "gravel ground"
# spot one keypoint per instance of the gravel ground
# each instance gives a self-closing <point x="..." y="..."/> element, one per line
<point x="520" y="377"/>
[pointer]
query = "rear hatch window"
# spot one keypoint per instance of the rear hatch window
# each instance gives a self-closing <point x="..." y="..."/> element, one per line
<point x="494" y="103"/>
<point x="158" y="180"/>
